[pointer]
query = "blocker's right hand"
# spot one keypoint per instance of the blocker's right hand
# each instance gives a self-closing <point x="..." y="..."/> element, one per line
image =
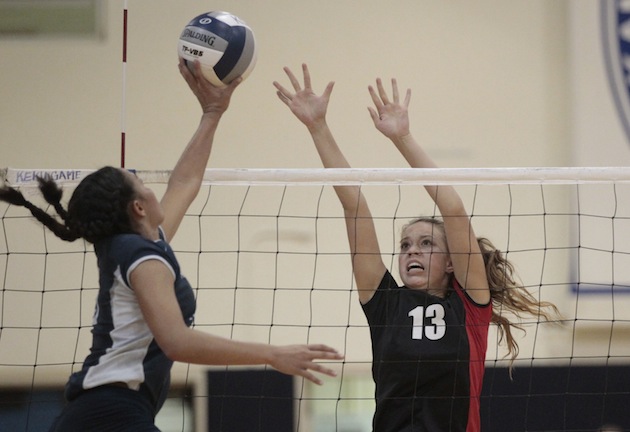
<point x="298" y="360"/>
<point x="308" y="107"/>
<point x="213" y="99"/>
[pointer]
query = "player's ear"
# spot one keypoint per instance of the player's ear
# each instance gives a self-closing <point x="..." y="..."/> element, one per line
<point x="449" y="266"/>
<point x="137" y="209"/>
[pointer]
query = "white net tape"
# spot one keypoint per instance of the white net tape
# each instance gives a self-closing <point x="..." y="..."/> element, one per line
<point x="376" y="176"/>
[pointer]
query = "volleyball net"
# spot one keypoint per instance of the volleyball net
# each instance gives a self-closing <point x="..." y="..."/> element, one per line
<point x="266" y="252"/>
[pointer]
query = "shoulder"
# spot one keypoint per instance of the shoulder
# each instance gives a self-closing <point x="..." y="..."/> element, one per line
<point x="463" y="294"/>
<point x="388" y="284"/>
<point x="128" y="248"/>
<point x="475" y="312"/>
<point x="131" y="242"/>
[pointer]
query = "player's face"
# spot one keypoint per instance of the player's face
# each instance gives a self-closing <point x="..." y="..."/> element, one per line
<point x="424" y="261"/>
<point x="148" y="201"/>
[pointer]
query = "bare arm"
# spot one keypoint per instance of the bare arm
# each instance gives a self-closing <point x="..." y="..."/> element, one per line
<point x="152" y="282"/>
<point x="391" y="118"/>
<point x="187" y="175"/>
<point x="310" y="109"/>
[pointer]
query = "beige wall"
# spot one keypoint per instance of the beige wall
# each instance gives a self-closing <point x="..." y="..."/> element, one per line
<point x="488" y="80"/>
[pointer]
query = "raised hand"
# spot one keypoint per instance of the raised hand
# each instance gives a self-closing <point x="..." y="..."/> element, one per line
<point x="213" y="99"/>
<point x="390" y="117"/>
<point x="308" y="107"/>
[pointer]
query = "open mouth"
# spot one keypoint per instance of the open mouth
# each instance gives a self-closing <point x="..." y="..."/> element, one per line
<point x="414" y="266"/>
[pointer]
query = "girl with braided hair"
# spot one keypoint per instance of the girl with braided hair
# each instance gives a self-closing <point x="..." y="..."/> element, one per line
<point x="145" y="306"/>
<point x="429" y="336"/>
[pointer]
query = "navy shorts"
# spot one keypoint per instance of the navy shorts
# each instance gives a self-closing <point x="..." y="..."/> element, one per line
<point x="107" y="409"/>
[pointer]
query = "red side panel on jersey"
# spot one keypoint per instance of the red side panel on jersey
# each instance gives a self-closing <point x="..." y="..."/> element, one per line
<point x="477" y="322"/>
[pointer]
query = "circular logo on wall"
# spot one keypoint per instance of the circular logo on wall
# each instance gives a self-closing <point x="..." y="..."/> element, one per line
<point x="615" y="17"/>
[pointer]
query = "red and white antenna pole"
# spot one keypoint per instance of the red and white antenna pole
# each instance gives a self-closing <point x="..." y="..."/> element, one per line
<point x="124" y="87"/>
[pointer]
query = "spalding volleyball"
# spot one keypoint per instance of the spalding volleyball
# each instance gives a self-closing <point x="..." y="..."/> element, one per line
<point x="224" y="45"/>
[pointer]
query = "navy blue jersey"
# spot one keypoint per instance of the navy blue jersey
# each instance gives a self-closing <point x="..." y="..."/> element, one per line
<point x="428" y="358"/>
<point x="123" y="348"/>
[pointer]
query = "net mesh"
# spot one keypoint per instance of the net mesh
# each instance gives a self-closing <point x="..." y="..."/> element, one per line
<point x="267" y="255"/>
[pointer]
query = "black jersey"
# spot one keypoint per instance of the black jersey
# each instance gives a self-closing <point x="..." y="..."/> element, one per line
<point x="123" y="348"/>
<point x="428" y="358"/>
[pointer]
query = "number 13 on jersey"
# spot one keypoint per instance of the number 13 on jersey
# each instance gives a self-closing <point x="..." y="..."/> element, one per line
<point x="436" y="329"/>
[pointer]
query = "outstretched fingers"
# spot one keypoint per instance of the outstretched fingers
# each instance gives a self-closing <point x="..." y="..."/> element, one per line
<point x="396" y="94"/>
<point x="307" y="77"/>
<point x="315" y="367"/>
<point x="376" y="100"/>
<point x="328" y="90"/>
<point x="319" y="352"/>
<point x="292" y="78"/>
<point x="322" y="351"/>
<point x="389" y="115"/>
<point x="381" y="91"/>
<point x="283" y="93"/>
<point x="307" y="106"/>
<point x="395" y="90"/>
<point x="300" y="360"/>
<point x="380" y="98"/>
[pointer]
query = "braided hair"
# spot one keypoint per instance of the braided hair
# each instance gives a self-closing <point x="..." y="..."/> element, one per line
<point x="98" y="207"/>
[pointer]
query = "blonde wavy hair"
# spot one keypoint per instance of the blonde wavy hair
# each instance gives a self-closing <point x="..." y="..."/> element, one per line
<point x="507" y="293"/>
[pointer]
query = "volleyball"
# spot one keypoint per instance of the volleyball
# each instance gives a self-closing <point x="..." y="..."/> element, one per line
<point x="223" y="43"/>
